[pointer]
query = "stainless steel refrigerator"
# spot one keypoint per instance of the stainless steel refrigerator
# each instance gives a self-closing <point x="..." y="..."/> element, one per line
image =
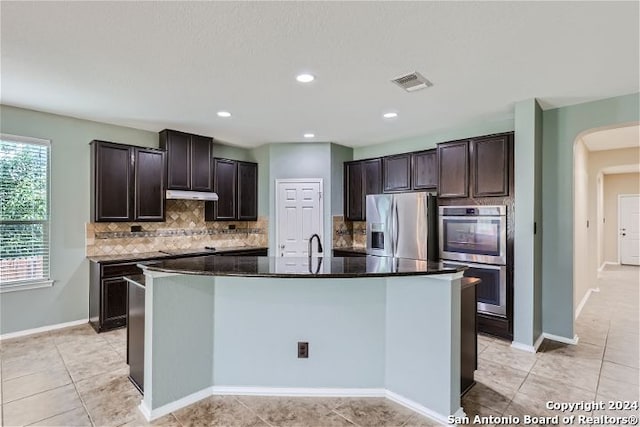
<point x="402" y="225"/>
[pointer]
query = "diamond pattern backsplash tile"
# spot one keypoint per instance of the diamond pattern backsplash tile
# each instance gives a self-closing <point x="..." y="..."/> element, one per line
<point x="347" y="234"/>
<point x="184" y="228"/>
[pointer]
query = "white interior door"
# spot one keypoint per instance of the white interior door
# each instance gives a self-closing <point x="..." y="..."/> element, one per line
<point x="298" y="215"/>
<point x="629" y="229"/>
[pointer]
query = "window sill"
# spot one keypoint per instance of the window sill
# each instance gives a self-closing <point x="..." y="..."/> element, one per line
<point x="26" y="285"/>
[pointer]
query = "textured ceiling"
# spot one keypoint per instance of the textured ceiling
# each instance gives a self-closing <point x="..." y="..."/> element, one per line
<point x="611" y="139"/>
<point x="155" y="65"/>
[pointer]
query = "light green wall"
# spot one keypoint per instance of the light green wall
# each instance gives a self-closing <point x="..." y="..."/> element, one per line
<point x="425" y="142"/>
<point x="261" y="156"/>
<point x="526" y="293"/>
<point x="68" y="299"/>
<point x="233" y="153"/>
<point x="300" y="160"/>
<point x="339" y="155"/>
<point x="539" y="236"/>
<point x="561" y="128"/>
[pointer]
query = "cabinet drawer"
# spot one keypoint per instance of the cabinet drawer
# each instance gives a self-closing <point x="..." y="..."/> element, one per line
<point x="118" y="270"/>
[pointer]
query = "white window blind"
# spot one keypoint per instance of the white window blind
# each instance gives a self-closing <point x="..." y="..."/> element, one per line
<point x="24" y="211"/>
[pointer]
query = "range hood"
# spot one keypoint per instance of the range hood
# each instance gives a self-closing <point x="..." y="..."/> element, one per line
<point x="192" y="195"/>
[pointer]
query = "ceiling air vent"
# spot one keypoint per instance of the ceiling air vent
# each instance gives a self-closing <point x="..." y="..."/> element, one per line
<point x="412" y="82"/>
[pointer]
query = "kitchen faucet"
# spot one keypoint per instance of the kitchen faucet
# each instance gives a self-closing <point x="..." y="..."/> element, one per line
<point x="311" y="247"/>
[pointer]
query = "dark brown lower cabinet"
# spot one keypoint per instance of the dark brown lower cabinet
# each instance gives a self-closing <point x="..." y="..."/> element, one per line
<point x="468" y="333"/>
<point x="108" y="294"/>
<point x="135" y="331"/>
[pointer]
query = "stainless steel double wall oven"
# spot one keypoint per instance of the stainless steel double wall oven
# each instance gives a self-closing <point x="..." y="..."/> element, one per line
<point x="476" y="236"/>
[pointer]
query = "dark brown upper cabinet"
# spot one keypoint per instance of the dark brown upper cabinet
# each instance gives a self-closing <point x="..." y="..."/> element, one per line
<point x="361" y="178"/>
<point x="111" y="178"/>
<point x="188" y="160"/>
<point x="425" y="169"/>
<point x="247" y="191"/>
<point x="224" y="184"/>
<point x="149" y="171"/>
<point x="127" y="183"/>
<point x="397" y="173"/>
<point x="490" y="166"/>
<point x="453" y="169"/>
<point x="236" y="184"/>
<point x="353" y="191"/>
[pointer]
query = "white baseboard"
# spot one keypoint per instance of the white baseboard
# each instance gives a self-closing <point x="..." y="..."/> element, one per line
<point x="529" y="348"/>
<point x="422" y="410"/>
<point x="604" y="264"/>
<point x="42" y="329"/>
<point x="302" y="391"/>
<point x="152" y="414"/>
<point x="584" y="300"/>
<point x="558" y="338"/>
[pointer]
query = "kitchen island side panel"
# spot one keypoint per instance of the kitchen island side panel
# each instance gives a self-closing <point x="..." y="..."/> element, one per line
<point x="423" y="340"/>
<point x="259" y="321"/>
<point x="179" y="349"/>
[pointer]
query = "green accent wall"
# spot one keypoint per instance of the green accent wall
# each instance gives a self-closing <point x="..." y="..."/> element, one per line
<point x="339" y="155"/>
<point x="300" y="160"/>
<point x="528" y="201"/>
<point x="561" y="128"/>
<point x="68" y="299"/>
<point x="261" y="156"/>
<point x="425" y="142"/>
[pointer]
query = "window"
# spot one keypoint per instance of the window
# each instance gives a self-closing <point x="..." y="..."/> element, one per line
<point x="24" y="212"/>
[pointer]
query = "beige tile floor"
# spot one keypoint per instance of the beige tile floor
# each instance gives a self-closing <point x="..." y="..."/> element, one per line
<point x="75" y="377"/>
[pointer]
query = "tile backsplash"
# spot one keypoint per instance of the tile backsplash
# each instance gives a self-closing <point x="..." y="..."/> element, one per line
<point x="347" y="234"/>
<point x="184" y="228"/>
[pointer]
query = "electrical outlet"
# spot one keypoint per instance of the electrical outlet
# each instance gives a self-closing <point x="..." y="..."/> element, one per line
<point x="303" y="350"/>
<point x="232" y="226"/>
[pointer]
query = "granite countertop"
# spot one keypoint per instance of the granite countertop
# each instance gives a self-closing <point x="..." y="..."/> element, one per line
<point x="169" y="253"/>
<point x="137" y="279"/>
<point x="285" y="267"/>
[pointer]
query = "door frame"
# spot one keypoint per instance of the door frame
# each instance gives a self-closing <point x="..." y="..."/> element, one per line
<point x="277" y="201"/>
<point x="620" y="196"/>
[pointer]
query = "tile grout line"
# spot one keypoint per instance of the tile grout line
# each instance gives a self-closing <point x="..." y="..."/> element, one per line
<point x="84" y="405"/>
<point x="252" y="411"/>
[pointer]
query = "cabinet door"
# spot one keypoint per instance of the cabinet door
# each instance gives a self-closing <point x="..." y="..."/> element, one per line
<point x="490" y="166"/>
<point x="224" y="184"/>
<point x="372" y="178"/>
<point x="425" y="169"/>
<point x="453" y="174"/>
<point x="178" y="147"/>
<point x="247" y="191"/>
<point x="397" y="173"/>
<point x="201" y="154"/>
<point x="353" y="191"/>
<point x="114" y="302"/>
<point x="113" y="199"/>
<point x="149" y="185"/>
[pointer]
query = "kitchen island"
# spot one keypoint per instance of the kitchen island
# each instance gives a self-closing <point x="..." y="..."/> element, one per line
<point x="233" y="325"/>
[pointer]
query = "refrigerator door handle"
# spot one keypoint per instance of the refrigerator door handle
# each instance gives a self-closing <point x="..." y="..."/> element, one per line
<point x="396" y="231"/>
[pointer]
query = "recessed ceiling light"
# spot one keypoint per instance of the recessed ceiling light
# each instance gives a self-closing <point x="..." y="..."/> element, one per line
<point x="305" y="78"/>
<point x="224" y="114"/>
<point x="390" y="115"/>
<point x="309" y="135"/>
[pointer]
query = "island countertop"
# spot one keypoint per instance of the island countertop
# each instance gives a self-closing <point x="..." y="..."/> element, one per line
<point x="292" y="267"/>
